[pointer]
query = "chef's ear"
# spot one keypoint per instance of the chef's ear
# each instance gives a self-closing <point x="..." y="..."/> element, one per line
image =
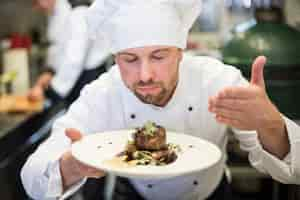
<point x="116" y="58"/>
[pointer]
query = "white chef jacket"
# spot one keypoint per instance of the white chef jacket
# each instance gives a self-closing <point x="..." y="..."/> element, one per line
<point x="78" y="52"/>
<point x="107" y="104"/>
<point x="55" y="32"/>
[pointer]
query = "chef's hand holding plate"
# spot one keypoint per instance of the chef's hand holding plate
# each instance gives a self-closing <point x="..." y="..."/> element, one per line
<point x="72" y="170"/>
<point x="249" y="108"/>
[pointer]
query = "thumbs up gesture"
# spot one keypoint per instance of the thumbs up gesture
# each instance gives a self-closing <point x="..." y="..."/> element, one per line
<point x="249" y="108"/>
<point x="245" y="107"/>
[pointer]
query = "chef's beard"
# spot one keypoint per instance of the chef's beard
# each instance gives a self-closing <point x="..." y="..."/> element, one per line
<point x="149" y="98"/>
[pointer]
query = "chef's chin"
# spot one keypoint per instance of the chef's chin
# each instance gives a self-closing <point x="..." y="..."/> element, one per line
<point x="151" y="99"/>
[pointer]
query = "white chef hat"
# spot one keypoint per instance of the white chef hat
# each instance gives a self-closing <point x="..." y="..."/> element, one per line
<point x="137" y="23"/>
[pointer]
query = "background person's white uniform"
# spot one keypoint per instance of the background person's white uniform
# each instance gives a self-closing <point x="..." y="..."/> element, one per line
<point x="107" y="104"/>
<point x="56" y="32"/>
<point x="78" y="53"/>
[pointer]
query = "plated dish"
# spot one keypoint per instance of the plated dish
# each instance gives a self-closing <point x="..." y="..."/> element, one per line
<point x="114" y="151"/>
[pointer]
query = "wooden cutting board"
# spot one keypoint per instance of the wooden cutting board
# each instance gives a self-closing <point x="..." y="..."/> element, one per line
<point x="19" y="104"/>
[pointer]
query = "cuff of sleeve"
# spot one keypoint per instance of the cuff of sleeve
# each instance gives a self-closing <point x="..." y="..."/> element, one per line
<point x="248" y="139"/>
<point x="55" y="185"/>
<point x="284" y="170"/>
<point x="55" y="188"/>
<point x="279" y="169"/>
<point x="249" y="142"/>
<point x="293" y="131"/>
<point x="53" y="95"/>
<point x="73" y="189"/>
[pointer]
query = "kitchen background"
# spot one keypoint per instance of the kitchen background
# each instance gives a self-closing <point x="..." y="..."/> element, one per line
<point x="211" y="31"/>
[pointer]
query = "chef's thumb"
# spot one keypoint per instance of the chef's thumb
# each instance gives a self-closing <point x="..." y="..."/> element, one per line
<point x="73" y="134"/>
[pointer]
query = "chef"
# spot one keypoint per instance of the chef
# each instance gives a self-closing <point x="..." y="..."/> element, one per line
<point x="153" y="80"/>
<point x="79" y="59"/>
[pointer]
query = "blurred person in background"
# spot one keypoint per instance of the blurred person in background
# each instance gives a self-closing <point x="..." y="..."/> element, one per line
<point x="57" y="12"/>
<point x="74" y="60"/>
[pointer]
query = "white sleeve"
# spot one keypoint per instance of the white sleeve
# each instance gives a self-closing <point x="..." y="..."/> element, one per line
<point x="286" y="170"/>
<point x="41" y="175"/>
<point x="74" y="53"/>
<point x="56" y="32"/>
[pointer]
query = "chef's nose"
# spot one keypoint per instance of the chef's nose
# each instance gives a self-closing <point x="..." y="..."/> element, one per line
<point x="146" y="72"/>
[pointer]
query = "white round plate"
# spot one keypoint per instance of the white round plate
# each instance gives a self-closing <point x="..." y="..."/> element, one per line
<point x="98" y="150"/>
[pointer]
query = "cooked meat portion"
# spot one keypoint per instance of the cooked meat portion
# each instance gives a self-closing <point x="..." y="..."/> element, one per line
<point x="172" y="156"/>
<point x="149" y="147"/>
<point x="160" y="154"/>
<point x="153" y="141"/>
<point x="131" y="148"/>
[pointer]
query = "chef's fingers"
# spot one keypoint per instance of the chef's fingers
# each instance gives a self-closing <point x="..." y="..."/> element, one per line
<point x="93" y="173"/>
<point x="212" y="103"/>
<point x="229" y="122"/>
<point x="90" y="172"/>
<point x="232" y="104"/>
<point x="73" y="134"/>
<point x="228" y="113"/>
<point x="236" y="92"/>
<point x="257" y="73"/>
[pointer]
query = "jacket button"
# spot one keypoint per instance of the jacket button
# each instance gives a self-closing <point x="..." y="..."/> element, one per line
<point x="190" y="108"/>
<point x="132" y="116"/>
<point x="195" y="182"/>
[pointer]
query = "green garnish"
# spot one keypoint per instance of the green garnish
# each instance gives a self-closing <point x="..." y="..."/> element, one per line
<point x="142" y="155"/>
<point x="174" y="147"/>
<point x="150" y="128"/>
<point x="130" y="142"/>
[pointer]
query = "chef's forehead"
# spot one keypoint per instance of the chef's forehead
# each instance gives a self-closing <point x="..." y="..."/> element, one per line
<point x="150" y="49"/>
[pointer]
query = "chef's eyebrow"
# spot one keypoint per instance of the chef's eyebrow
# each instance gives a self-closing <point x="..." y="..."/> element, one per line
<point x="160" y="50"/>
<point x="153" y="52"/>
<point x="126" y="53"/>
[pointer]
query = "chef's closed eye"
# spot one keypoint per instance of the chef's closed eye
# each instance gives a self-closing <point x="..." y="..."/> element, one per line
<point x="160" y="54"/>
<point x="129" y="58"/>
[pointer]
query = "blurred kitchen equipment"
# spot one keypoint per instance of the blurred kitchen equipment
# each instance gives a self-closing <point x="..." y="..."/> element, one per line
<point x="280" y="43"/>
<point x="209" y="19"/>
<point x="5" y="81"/>
<point x="14" y="103"/>
<point x="16" y="59"/>
<point x="292" y="13"/>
